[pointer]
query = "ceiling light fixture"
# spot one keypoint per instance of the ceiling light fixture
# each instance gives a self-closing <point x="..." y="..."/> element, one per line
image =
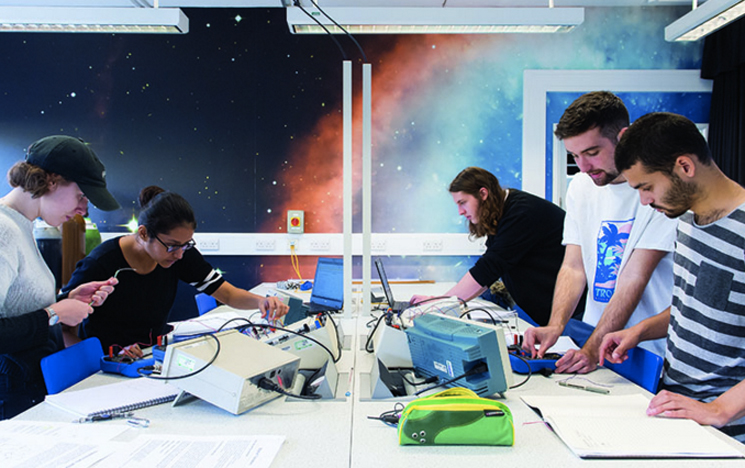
<point x="93" y="20"/>
<point x="704" y="20"/>
<point x="447" y="20"/>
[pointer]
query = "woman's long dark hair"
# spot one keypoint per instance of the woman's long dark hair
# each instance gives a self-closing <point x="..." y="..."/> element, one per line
<point x="470" y="181"/>
<point x="164" y="211"/>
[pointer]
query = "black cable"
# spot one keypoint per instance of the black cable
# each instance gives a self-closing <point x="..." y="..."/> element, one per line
<point x="368" y="348"/>
<point x="390" y="417"/>
<point x="309" y="381"/>
<point x="488" y="312"/>
<point x="267" y="384"/>
<point x="339" y="344"/>
<point x="432" y="379"/>
<point x="341" y="49"/>
<point x="468" y="311"/>
<point x="184" y="376"/>
<point x="364" y="57"/>
<point x="335" y="359"/>
<point x="478" y="369"/>
<point x="530" y="371"/>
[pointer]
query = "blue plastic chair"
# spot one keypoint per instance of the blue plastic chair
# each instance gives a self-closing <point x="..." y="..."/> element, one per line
<point x="205" y="303"/>
<point x="524" y="316"/>
<point x="643" y="367"/>
<point x="71" y="365"/>
<point x="578" y="331"/>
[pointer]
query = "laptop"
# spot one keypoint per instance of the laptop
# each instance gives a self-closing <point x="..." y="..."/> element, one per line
<point x="396" y="306"/>
<point x="328" y="286"/>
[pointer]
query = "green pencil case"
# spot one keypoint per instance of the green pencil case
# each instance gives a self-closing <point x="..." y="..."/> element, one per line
<point x="456" y="416"/>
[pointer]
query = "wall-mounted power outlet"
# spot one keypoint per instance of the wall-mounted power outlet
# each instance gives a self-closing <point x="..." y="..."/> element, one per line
<point x="295" y="221"/>
<point x="267" y="244"/>
<point x="432" y="245"/>
<point x="320" y="245"/>
<point x="378" y="245"/>
<point x="208" y="244"/>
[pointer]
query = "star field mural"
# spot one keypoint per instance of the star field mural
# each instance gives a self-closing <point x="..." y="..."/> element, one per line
<point x="244" y="119"/>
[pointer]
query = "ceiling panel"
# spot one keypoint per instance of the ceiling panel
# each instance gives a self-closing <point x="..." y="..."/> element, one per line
<point x="348" y="3"/>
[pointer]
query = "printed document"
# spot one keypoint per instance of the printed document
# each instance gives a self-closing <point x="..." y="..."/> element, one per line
<point x="609" y="426"/>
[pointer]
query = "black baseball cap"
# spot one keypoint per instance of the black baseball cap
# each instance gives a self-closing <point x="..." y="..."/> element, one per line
<point x="72" y="159"/>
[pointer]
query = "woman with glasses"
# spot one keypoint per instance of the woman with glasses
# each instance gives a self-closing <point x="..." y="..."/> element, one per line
<point x="150" y="263"/>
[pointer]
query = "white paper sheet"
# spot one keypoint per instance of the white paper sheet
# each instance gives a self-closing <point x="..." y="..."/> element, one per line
<point x="594" y="426"/>
<point x="32" y="444"/>
<point x="208" y="323"/>
<point x="171" y="451"/>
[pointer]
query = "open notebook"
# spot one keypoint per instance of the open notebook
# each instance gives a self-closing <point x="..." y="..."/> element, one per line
<point x="595" y="426"/>
<point x="120" y="397"/>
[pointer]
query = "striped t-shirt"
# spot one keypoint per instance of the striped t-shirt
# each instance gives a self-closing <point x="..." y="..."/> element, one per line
<point x="705" y="354"/>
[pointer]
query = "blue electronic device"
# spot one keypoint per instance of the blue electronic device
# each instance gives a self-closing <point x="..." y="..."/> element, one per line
<point x="528" y="365"/>
<point x="447" y="347"/>
<point x="126" y="366"/>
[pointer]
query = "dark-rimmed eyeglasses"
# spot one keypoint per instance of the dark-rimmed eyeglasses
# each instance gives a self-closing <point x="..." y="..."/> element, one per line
<point x="173" y="248"/>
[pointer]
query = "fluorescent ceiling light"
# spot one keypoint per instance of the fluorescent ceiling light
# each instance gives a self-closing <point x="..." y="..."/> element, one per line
<point x="97" y="20"/>
<point x="395" y="20"/>
<point x="704" y="20"/>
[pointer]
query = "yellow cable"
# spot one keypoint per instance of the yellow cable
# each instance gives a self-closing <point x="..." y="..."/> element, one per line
<point x="295" y="262"/>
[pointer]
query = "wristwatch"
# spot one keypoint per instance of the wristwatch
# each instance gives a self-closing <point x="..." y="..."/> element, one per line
<point x="53" y="317"/>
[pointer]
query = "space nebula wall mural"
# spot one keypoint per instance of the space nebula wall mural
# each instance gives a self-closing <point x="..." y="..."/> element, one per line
<point x="244" y="119"/>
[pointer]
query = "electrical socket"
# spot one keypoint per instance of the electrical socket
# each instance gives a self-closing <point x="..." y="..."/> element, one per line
<point x="208" y="244"/>
<point x="378" y="245"/>
<point x="432" y="245"/>
<point x="320" y="244"/>
<point x="267" y="244"/>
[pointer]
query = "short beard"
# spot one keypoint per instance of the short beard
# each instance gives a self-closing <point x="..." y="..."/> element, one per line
<point x="679" y="198"/>
<point x="608" y="177"/>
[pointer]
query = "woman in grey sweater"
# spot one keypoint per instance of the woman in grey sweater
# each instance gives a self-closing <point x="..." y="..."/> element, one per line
<point x="55" y="182"/>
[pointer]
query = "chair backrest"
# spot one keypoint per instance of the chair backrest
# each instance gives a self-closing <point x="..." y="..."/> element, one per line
<point x="71" y="365"/>
<point x="205" y="302"/>
<point x="578" y="331"/>
<point x="643" y="367"/>
<point x="525" y="317"/>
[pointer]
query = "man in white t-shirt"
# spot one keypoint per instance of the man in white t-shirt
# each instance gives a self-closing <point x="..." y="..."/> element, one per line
<point x="615" y="247"/>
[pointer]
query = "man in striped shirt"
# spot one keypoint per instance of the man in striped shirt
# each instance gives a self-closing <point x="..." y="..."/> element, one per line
<point x="666" y="158"/>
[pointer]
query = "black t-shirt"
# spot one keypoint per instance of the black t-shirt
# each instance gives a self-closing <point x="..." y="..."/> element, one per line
<point x="137" y="310"/>
<point x="526" y="253"/>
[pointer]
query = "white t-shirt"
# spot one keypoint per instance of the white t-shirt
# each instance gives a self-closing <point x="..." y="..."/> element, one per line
<point x="608" y="223"/>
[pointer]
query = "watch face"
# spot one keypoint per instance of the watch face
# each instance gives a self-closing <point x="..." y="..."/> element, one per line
<point x="53" y="320"/>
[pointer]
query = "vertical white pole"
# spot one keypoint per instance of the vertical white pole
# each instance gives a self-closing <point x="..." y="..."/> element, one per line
<point x="347" y="185"/>
<point x="366" y="186"/>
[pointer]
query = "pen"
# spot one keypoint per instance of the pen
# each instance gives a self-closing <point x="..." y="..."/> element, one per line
<point x="587" y="388"/>
<point x="104" y="417"/>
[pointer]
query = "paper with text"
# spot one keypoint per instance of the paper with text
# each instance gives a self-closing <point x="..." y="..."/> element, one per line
<point x="38" y="444"/>
<point x="604" y="426"/>
<point x="171" y="451"/>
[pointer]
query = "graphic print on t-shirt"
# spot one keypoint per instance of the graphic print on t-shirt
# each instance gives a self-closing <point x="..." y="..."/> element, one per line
<point x="612" y="239"/>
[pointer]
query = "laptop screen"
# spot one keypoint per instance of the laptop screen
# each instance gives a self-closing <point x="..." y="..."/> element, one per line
<point x="384" y="281"/>
<point x="328" y="285"/>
